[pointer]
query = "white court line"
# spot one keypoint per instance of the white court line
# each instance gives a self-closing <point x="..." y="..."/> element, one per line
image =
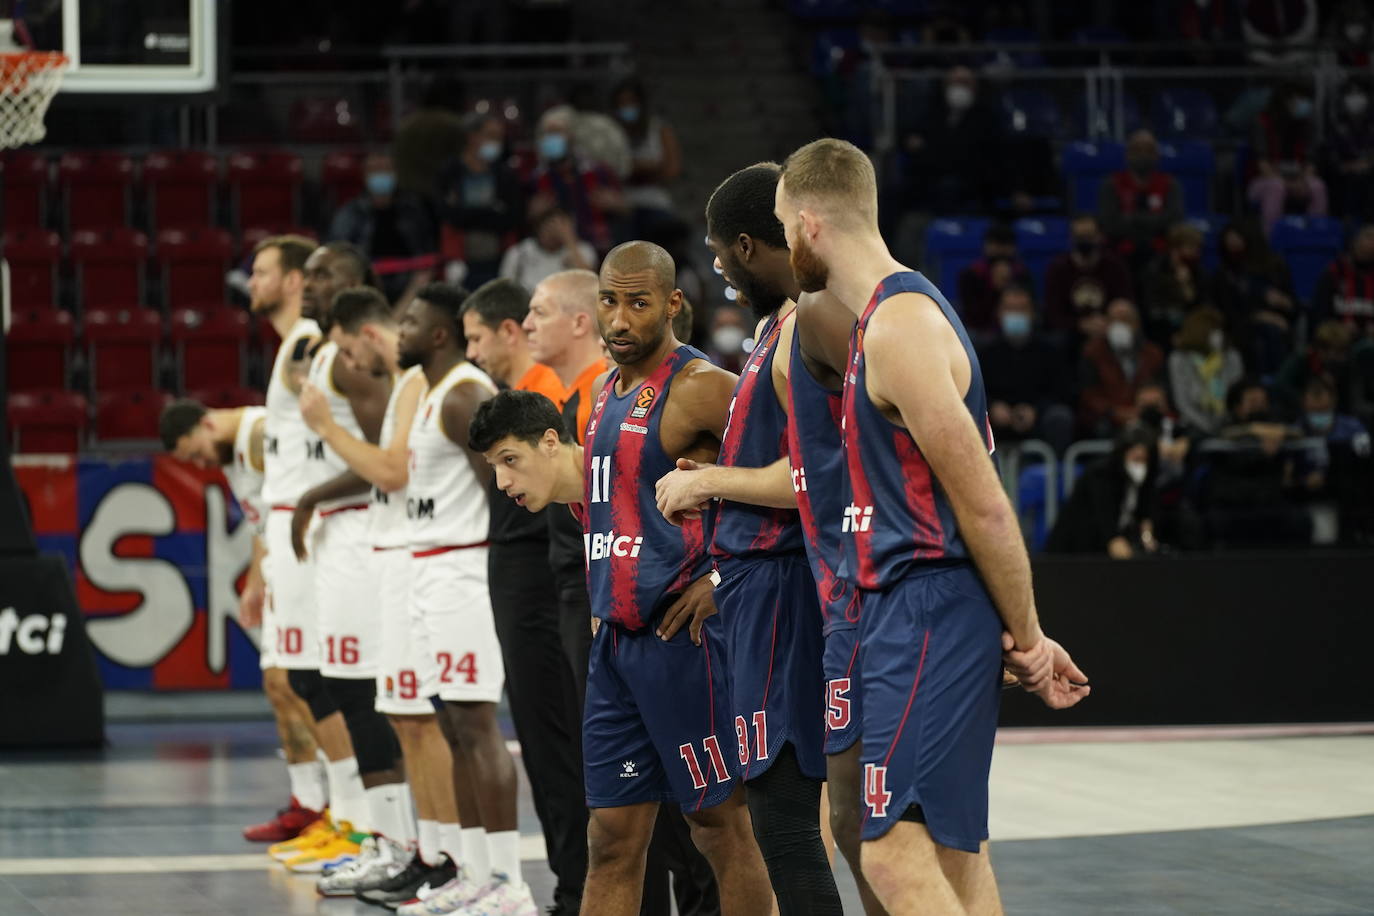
<point x="531" y="850"/>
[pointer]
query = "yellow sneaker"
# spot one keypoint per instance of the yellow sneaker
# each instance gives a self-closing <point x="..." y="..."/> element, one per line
<point x="309" y="837"/>
<point x="339" y="849"/>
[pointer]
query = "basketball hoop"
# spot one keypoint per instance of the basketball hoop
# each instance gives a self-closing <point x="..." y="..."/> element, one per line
<point x="28" y="82"/>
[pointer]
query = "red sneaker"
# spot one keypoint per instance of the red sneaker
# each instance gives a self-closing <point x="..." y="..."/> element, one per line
<point x="287" y="825"/>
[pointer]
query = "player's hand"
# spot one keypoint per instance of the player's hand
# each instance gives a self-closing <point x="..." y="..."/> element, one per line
<point x="679" y="492"/>
<point x="1032" y="666"/>
<point x="1066" y="686"/>
<point x="596" y="624"/>
<point x="250" y="605"/>
<point x="695" y="604"/>
<point x="300" y="524"/>
<point x="314" y="407"/>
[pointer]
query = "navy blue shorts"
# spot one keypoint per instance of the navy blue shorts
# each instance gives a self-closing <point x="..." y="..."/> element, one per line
<point x="844" y="714"/>
<point x="657" y="724"/>
<point x="931" y="651"/>
<point x="774" y="646"/>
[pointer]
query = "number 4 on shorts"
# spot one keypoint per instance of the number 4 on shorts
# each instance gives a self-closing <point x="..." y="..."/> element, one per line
<point x="876" y="794"/>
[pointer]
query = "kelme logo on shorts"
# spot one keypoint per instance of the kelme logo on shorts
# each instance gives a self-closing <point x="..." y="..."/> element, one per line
<point x="629" y="770"/>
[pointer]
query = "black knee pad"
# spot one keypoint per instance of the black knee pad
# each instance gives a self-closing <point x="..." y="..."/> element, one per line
<point x="374" y="741"/>
<point x="785" y="807"/>
<point x="309" y="686"/>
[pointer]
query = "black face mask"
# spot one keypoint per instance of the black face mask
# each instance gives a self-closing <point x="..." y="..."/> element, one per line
<point x="1086" y="247"/>
<point x="1152" y="416"/>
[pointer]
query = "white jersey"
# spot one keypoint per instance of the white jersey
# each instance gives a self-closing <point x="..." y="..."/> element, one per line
<point x="388" y="511"/>
<point x="286" y="437"/>
<point x="445" y="505"/>
<point x="324" y="463"/>
<point x="245" y="480"/>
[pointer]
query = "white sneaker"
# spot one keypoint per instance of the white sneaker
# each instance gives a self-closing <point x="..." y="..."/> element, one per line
<point x="379" y="860"/>
<point x="450" y="898"/>
<point x="503" y="898"/>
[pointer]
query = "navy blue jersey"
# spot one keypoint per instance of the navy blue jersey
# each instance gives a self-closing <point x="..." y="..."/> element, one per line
<point x="815" y="449"/>
<point x="635" y="558"/>
<point x="755" y="436"/>
<point x="898" y="514"/>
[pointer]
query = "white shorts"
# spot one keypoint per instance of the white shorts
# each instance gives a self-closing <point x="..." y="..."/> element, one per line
<point x="449" y="591"/>
<point x="346" y="593"/>
<point x="406" y="675"/>
<point x="294" y="635"/>
<point x="265" y="636"/>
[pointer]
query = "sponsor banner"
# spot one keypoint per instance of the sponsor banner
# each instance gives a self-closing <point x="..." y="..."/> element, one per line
<point x="157" y="551"/>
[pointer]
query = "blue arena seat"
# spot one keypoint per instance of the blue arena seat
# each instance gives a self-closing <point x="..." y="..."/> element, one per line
<point x="1211" y="236"/>
<point x="1085" y="165"/>
<point x="1039" y="239"/>
<point x="1024" y="58"/>
<point x="830" y="47"/>
<point x="825" y="9"/>
<point x="951" y="245"/>
<point x="1030" y="486"/>
<point x="1185" y="112"/>
<point x="1194" y="164"/>
<point x="1308" y="244"/>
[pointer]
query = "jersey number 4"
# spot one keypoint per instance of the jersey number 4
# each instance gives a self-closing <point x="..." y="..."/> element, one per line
<point x="876" y="794"/>
<point x="601" y="478"/>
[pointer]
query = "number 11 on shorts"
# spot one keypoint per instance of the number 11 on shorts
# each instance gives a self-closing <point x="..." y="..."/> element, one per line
<point x="688" y="753"/>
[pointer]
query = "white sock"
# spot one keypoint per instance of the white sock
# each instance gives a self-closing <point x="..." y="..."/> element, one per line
<point x="411" y="829"/>
<point x="387" y="808"/>
<point x="505" y="854"/>
<point x="451" y="842"/>
<point x="347" y="799"/>
<point x="430" y="849"/>
<point x="307" y="784"/>
<point x="477" y="854"/>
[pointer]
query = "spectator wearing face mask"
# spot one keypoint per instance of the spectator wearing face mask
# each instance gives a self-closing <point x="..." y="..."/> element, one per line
<point x="982" y="282"/>
<point x="729" y="330"/>
<point x="1113" y="369"/>
<point x="1347" y="152"/>
<point x="657" y="163"/>
<point x="1138" y="204"/>
<point x="1028" y="393"/>
<point x="1345" y="290"/>
<point x="1113" y="508"/>
<point x="1178" y="522"/>
<point x="1252" y="288"/>
<point x="587" y="190"/>
<point x="395" y="228"/>
<point x="1327" y="355"/>
<point x="1080" y="282"/>
<point x="952" y="157"/>
<point x="481" y="200"/>
<point x="1174" y="283"/>
<point x="1202" y="370"/>
<point x="1338" y="469"/>
<point x="1286" y="179"/>
<point x="1243" y="495"/>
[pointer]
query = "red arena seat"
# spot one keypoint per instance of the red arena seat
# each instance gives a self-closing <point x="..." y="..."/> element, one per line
<point x="227" y="397"/>
<point x="96" y="189"/>
<point x="181" y="188"/>
<point x="24" y="178"/>
<point x="122" y="348"/>
<point x="265" y="188"/>
<point x="193" y="264"/>
<point x="46" y="421"/>
<point x="341" y="179"/>
<point x="33" y="256"/>
<point x="110" y="266"/>
<point x="211" y="347"/>
<point x="128" y="414"/>
<point x="39" y="346"/>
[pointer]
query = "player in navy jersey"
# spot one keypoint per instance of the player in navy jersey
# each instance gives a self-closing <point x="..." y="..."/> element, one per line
<point x="932" y="544"/>
<point x="766" y="593"/>
<point x="657" y="725"/>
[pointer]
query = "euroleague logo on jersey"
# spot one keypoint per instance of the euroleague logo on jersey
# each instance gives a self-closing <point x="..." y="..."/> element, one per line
<point x="644" y="402"/>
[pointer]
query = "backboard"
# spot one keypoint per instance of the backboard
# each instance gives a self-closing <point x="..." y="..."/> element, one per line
<point x="156" y="47"/>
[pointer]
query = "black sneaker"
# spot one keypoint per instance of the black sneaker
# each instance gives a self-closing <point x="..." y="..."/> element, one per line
<point x="406" y="885"/>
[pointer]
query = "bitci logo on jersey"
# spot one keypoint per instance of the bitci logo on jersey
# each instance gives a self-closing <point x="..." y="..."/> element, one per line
<point x="857" y="518"/>
<point x="604" y="546"/>
<point x="644" y="402"/>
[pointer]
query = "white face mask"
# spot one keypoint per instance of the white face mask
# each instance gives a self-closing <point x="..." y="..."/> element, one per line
<point x="728" y="340"/>
<point x="1216" y="340"/>
<point x="1356" y="103"/>
<point x="958" y="97"/>
<point x="1136" y="470"/>
<point x="1120" y="335"/>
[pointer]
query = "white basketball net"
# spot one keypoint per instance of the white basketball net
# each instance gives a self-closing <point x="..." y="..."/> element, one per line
<point x="28" y="81"/>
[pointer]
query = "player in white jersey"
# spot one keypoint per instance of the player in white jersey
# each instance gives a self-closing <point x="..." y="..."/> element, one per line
<point x="277" y="286"/>
<point x="405" y="682"/>
<point x="446" y="505"/>
<point x="232" y="440"/>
